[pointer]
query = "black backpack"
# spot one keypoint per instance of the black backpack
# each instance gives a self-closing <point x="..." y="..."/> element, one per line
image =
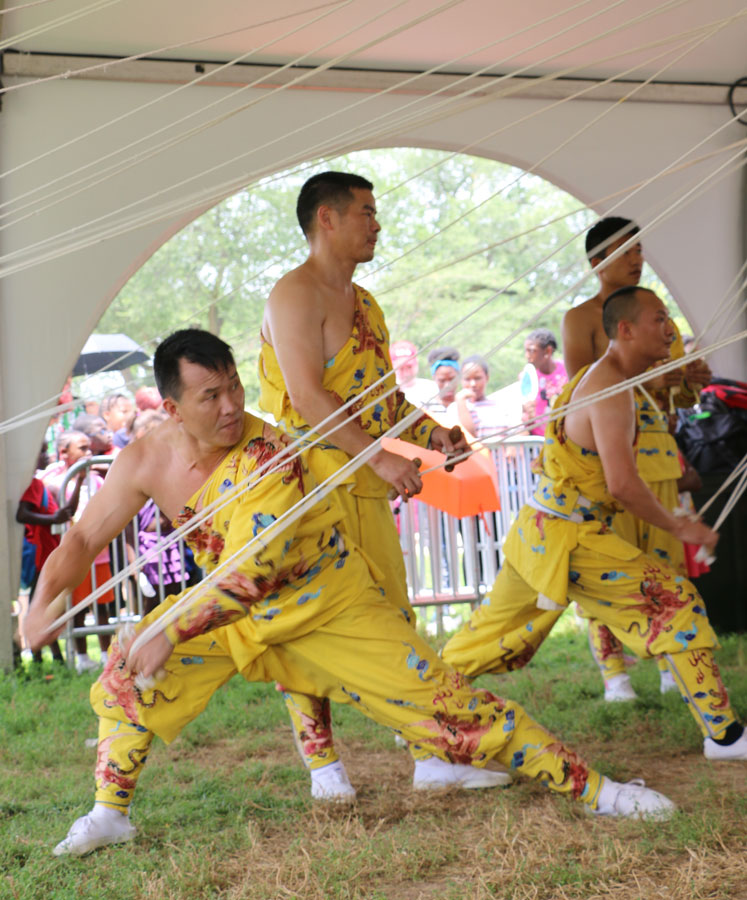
<point x="713" y="436"/>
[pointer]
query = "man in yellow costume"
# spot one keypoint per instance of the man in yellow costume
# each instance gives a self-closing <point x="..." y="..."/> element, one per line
<point x="325" y="343"/>
<point x="564" y="545"/>
<point x="584" y="342"/>
<point x="299" y="606"/>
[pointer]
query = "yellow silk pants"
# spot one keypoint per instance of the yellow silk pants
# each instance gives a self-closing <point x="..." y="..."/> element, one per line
<point x="370" y="525"/>
<point x="645" y="605"/>
<point x="367" y="655"/>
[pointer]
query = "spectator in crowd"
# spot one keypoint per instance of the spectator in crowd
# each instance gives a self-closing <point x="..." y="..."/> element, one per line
<point x="444" y="364"/>
<point x="174" y="567"/>
<point x="551" y="375"/>
<point x="146" y="421"/>
<point x="38" y="511"/>
<point x="404" y="355"/>
<point x="73" y="446"/>
<point x="61" y="422"/>
<point x="481" y="416"/>
<point x="98" y="433"/>
<point x="118" y="411"/>
<point x="147" y="398"/>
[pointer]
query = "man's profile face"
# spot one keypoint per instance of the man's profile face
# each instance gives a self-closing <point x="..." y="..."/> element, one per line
<point x="357" y="227"/>
<point x="625" y="270"/>
<point x="211" y="405"/>
<point x="652" y="331"/>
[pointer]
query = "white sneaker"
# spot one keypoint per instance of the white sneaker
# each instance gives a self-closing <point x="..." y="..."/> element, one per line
<point x="737" y="750"/>
<point x="399" y="741"/>
<point x="633" y="801"/>
<point x="84" y="663"/>
<point x="331" y="783"/>
<point x="618" y="689"/>
<point x="434" y="774"/>
<point x="667" y="682"/>
<point x="100" y="827"/>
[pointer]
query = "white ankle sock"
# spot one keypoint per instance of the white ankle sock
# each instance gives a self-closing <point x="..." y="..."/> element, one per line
<point x="105" y="814"/>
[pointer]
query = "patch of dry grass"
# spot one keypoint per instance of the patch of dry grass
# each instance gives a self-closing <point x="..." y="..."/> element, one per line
<point x="518" y="844"/>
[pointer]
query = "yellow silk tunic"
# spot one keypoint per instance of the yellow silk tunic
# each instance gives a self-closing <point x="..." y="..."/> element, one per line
<point x="279" y="585"/>
<point x="572" y="507"/>
<point x="361" y="362"/>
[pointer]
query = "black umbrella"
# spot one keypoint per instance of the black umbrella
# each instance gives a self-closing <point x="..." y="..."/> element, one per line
<point x="107" y="352"/>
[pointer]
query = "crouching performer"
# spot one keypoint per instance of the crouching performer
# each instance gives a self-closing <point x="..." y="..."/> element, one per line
<point x="303" y="610"/>
<point x="563" y="546"/>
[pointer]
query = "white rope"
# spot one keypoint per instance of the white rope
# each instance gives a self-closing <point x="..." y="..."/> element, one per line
<point x="484" y="248"/>
<point x="279" y="460"/>
<point x="146" y="54"/>
<point x="721" y="311"/>
<point x="169" y="211"/>
<point x="57" y="410"/>
<point x="169" y="143"/>
<point x="24" y="417"/>
<point x="556" y="149"/>
<point x="23" y="6"/>
<point x="128" y="147"/>
<point x="124" y="116"/>
<point x="294" y="512"/>
<point x="740" y="468"/>
<point x="56" y="23"/>
<point x="463" y="102"/>
<point x="367" y="99"/>
<point x="734" y="498"/>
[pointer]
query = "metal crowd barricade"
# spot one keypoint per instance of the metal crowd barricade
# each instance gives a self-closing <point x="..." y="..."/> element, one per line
<point x="130" y="600"/>
<point x="453" y="561"/>
<point x="513" y="462"/>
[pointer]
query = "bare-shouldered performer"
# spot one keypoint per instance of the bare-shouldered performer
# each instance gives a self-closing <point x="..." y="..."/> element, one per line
<point x="584" y="341"/>
<point x="564" y="547"/>
<point x="302" y="608"/>
<point x="325" y="342"/>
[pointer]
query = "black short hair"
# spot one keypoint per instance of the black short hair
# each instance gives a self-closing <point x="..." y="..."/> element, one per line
<point x="476" y="361"/>
<point x="328" y="189"/>
<point x="543" y="337"/>
<point x="443" y="353"/>
<point x="196" y="346"/>
<point x="621" y="304"/>
<point x="606" y="232"/>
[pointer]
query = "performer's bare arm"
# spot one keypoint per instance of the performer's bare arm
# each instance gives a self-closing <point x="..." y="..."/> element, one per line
<point x="107" y="513"/>
<point x="294" y="325"/>
<point x="612" y="426"/>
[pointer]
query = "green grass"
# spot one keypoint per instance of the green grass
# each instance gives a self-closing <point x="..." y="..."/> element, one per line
<point x="224" y="811"/>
